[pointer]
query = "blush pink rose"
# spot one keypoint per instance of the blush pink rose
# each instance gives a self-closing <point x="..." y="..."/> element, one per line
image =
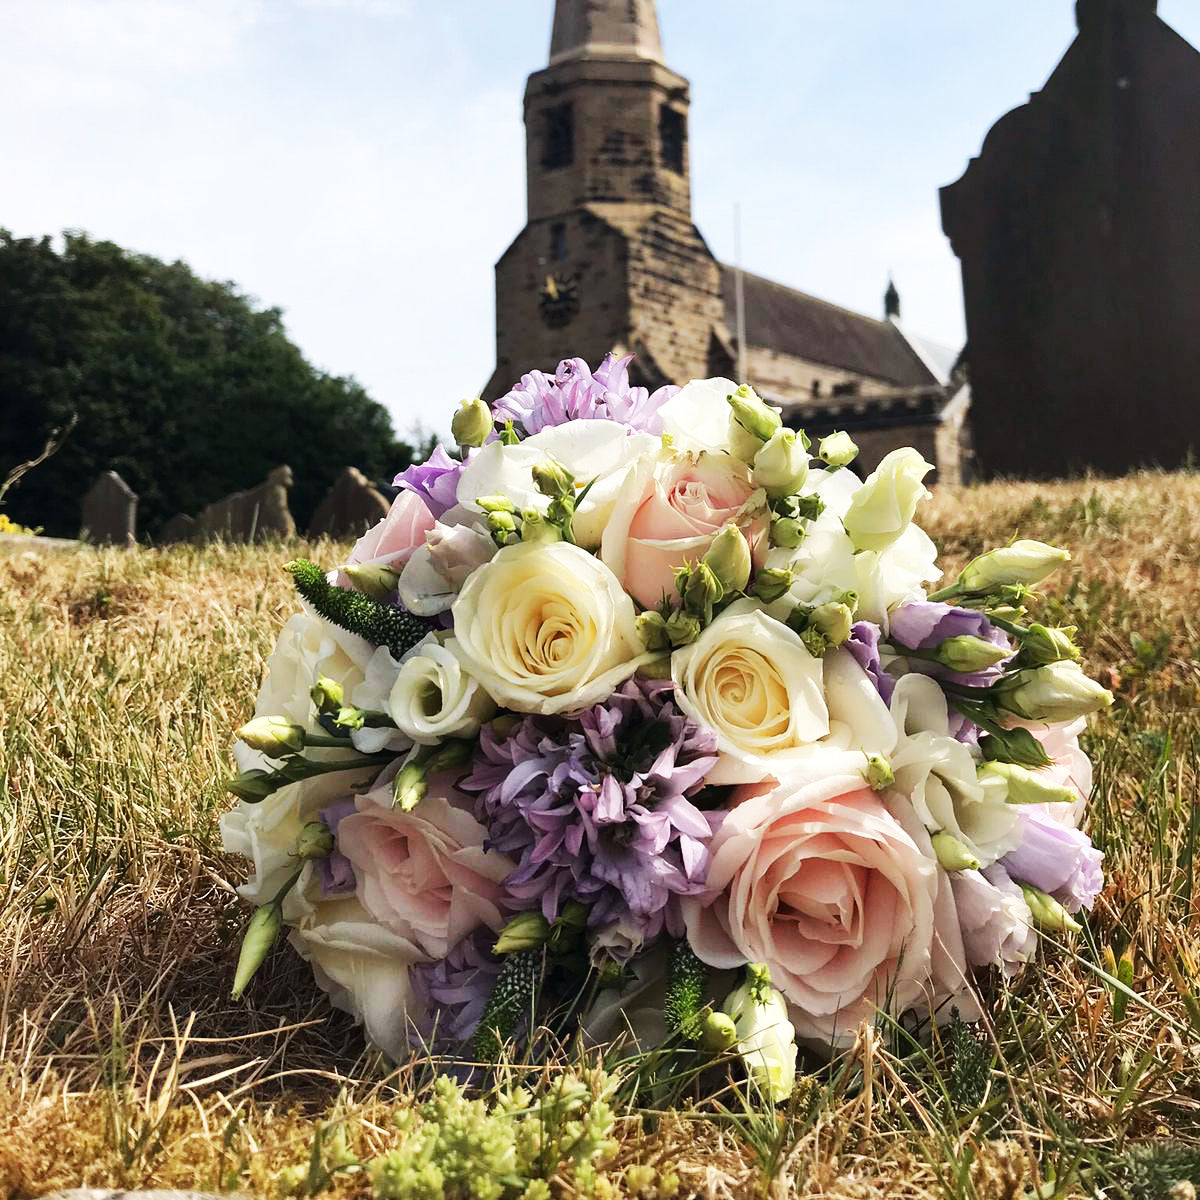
<point x="391" y="542"/>
<point x="668" y="513"/>
<point x="816" y="879"/>
<point x="424" y="875"/>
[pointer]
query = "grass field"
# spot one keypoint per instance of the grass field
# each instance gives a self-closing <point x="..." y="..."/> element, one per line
<point x="121" y="677"/>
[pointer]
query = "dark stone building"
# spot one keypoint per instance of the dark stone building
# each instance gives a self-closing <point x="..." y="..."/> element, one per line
<point x="610" y="259"/>
<point x="1078" y="227"/>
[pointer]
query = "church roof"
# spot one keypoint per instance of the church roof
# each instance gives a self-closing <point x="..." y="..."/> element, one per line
<point x="782" y="319"/>
<point x="605" y="29"/>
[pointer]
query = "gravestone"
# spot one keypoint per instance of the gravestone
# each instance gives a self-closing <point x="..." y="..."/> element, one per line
<point x="110" y="512"/>
<point x="349" y="509"/>
<point x="259" y="514"/>
<point x="180" y="528"/>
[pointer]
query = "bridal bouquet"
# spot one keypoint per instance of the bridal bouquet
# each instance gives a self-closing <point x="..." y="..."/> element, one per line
<point x="636" y="715"/>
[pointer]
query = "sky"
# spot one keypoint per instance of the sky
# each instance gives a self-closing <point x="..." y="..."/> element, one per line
<point x="360" y="163"/>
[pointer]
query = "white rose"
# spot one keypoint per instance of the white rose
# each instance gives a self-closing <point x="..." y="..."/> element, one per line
<point x="371" y="696"/>
<point x="547" y="628"/>
<point x="937" y="775"/>
<point x="885" y="504"/>
<point x="751" y="680"/>
<point x="434" y="698"/>
<point x="600" y="450"/>
<point x="454" y="547"/>
<point x="886" y="578"/>
<point x="697" y="416"/>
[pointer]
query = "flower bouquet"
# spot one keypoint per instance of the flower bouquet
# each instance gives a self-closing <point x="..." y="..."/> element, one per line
<point x="636" y="716"/>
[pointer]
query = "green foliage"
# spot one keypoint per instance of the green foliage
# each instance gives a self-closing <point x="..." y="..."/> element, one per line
<point x="1155" y="1167"/>
<point x="513" y="997"/>
<point x="686" y="980"/>
<point x="456" y="1148"/>
<point x="181" y="385"/>
<point x="380" y="624"/>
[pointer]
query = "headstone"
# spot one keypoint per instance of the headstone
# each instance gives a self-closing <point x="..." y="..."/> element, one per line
<point x="260" y="514"/>
<point x="180" y="528"/>
<point x="110" y="512"/>
<point x="349" y="509"/>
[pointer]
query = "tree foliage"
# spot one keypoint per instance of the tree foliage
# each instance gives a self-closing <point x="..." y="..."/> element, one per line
<point x="181" y="386"/>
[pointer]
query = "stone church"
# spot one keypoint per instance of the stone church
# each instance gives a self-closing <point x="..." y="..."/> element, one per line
<point x="609" y="259"/>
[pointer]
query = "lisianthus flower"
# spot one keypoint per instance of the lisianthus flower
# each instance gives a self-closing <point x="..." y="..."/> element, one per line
<point x="435" y="481"/>
<point x="1057" y="858"/>
<point x="926" y="624"/>
<point x="597" y="808"/>
<point x="997" y="926"/>
<point x="863" y="644"/>
<point x="576" y="393"/>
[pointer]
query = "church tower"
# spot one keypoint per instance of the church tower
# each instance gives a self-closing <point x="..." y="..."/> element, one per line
<point x="609" y="258"/>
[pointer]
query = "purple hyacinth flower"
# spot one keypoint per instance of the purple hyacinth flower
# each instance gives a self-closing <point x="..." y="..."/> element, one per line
<point x="863" y="645"/>
<point x="597" y="808"/>
<point x="455" y="990"/>
<point x="337" y="871"/>
<point x="925" y="624"/>
<point x="1057" y="858"/>
<point x="575" y="393"/>
<point x="435" y="481"/>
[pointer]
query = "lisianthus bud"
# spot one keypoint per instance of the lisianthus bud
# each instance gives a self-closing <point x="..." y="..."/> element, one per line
<point x="526" y="931"/>
<point x="729" y="559"/>
<point x="372" y="579"/>
<point x="472" y="423"/>
<point x="879" y="774"/>
<point x="568" y="927"/>
<point x="766" y="1038"/>
<point x="503" y="525"/>
<point x="453" y="752"/>
<point x="553" y="479"/>
<point x="327" y="694"/>
<point x="652" y="628"/>
<point x="315" y="841"/>
<point x="409" y="786"/>
<point x="276" y="737"/>
<point x="494" y="504"/>
<point x="833" y="621"/>
<point x="682" y="628"/>
<point x="1042" y="645"/>
<point x="967" y="654"/>
<point x="535" y="528"/>
<point x="771" y="583"/>
<point x="260" y="935"/>
<point x="883" y="508"/>
<point x="251" y="786"/>
<point x="1023" y="562"/>
<point x="1047" y="911"/>
<point x="1059" y="691"/>
<point x="349" y="717"/>
<point x="838" y="450"/>
<point x="786" y="532"/>
<point x="952" y="854"/>
<point x="756" y="418"/>
<point x="781" y="466"/>
<point x="717" y="1033"/>
<point x="703" y="590"/>
<point x="1025" y="786"/>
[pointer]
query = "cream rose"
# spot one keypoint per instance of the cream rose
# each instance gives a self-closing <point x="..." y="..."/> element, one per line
<point x="424" y="874"/>
<point x="546" y="628"/>
<point x="671" y="509"/>
<point x="751" y="680"/>
<point x="818" y="881"/>
<point x="434" y="698"/>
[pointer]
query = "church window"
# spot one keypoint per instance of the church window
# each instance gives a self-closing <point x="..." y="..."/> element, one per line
<point x="558" y="143"/>
<point x="671" y="134"/>
<point x="558" y="241"/>
<point x="849" y="387"/>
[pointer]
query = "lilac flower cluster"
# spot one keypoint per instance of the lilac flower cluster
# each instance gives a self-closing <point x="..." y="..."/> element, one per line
<point x="575" y="393"/>
<point x="596" y="808"/>
<point x="454" y="991"/>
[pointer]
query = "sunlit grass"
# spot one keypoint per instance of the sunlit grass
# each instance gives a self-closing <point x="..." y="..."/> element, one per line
<point x="121" y="677"/>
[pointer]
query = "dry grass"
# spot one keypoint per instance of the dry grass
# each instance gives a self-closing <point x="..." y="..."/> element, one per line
<point x="121" y="675"/>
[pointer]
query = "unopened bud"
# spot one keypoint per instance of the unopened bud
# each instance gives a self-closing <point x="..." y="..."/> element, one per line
<point x="453" y="752"/>
<point x="261" y="932"/>
<point x="953" y="854"/>
<point x="327" y="694"/>
<point x="833" y="621"/>
<point x="755" y="417"/>
<point x="315" y="841"/>
<point x="1047" y="911"/>
<point x="409" y="786"/>
<point x="703" y="589"/>
<point x="718" y="1033"/>
<point x="373" y="579"/>
<point x="1023" y="562"/>
<point x="251" y="786"/>
<point x="276" y="737"/>
<point x="495" y="504"/>
<point x="568" y="927"/>
<point x="879" y="774"/>
<point x="652" y="629"/>
<point x="1059" y="691"/>
<point x="535" y="528"/>
<point x="526" y="931"/>
<point x="729" y="559"/>
<point x="503" y="525"/>
<point x="682" y="628"/>
<point x="349" y="717"/>
<point x="472" y="423"/>
<point x="787" y="532"/>
<point x="771" y="583"/>
<point x="838" y="449"/>
<point x="967" y="654"/>
<point x="781" y="466"/>
<point x="1023" y="786"/>
<point x="1041" y="645"/>
<point x="553" y="479"/>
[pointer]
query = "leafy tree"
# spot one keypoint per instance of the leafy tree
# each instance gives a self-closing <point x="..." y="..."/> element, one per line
<point x="180" y="384"/>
